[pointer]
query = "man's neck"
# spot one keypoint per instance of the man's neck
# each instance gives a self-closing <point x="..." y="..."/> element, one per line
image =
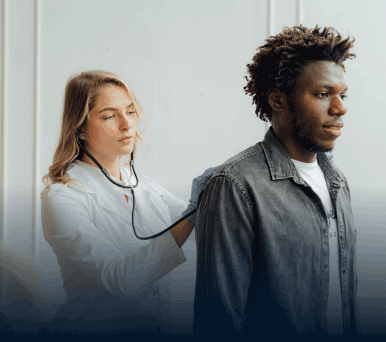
<point x="292" y="148"/>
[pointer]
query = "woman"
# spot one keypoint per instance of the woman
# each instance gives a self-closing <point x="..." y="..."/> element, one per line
<point x="113" y="281"/>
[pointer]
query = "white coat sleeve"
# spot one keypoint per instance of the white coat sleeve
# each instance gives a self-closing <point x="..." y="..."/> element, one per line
<point x="70" y="232"/>
<point x="175" y="205"/>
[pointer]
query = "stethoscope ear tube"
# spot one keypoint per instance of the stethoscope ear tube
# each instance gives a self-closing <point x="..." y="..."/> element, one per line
<point x="104" y="171"/>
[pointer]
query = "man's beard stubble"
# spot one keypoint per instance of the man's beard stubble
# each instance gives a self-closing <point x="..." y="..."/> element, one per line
<point x="302" y="139"/>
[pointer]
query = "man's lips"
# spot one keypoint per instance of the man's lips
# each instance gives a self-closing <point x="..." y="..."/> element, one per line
<point x="334" y="125"/>
<point x="333" y="129"/>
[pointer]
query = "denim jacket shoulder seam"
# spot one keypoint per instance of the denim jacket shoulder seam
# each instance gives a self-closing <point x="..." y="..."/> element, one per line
<point x="256" y="151"/>
<point x="250" y="154"/>
<point x="228" y="176"/>
<point x="241" y="188"/>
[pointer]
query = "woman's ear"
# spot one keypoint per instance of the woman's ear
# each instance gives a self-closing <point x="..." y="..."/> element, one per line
<point x="276" y="99"/>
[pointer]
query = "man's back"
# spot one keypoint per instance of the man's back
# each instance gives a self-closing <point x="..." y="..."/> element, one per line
<point x="263" y="247"/>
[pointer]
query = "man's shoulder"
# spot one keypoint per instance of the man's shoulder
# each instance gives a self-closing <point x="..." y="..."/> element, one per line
<point x="251" y="160"/>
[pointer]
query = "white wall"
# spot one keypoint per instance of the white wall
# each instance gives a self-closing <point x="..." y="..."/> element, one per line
<point x="185" y="61"/>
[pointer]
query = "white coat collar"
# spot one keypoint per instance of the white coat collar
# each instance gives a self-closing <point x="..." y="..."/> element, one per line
<point x="90" y="179"/>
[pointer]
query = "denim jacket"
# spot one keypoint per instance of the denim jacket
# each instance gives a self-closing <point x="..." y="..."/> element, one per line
<point x="263" y="248"/>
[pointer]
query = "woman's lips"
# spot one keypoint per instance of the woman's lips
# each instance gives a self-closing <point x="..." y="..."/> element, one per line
<point x="125" y="140"/>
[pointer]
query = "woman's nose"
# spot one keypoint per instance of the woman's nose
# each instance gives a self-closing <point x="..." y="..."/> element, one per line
<point x="125" y="123"/>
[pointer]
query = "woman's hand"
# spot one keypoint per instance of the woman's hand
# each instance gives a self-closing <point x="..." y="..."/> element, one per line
<point x="182" y="231"/>
<point x="197" y="185"/>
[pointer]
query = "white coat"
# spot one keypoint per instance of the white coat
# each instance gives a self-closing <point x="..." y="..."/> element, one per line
<point x="103" y="265"/>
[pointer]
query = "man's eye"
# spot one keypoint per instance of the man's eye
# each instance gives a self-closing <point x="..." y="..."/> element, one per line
<point x="343" y="96"/>
<point x="322" y="95"/>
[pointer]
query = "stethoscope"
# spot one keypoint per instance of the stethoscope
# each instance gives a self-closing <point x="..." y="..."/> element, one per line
<point x="131" y="187"/>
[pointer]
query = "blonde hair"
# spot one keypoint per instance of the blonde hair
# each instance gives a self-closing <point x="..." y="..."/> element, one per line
<point x="80" y="98"/>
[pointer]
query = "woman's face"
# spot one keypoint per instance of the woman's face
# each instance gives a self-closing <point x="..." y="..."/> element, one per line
<point x="112" y="124"/>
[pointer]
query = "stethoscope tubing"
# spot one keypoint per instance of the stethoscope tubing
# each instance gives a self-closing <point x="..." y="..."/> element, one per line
<point x="131" y="187"/>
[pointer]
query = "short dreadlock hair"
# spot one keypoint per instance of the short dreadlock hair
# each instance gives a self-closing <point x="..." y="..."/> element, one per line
<point x="277" y="63"/>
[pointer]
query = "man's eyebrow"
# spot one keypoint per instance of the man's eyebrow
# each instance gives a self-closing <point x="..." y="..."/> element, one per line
<point x="323" y="85"/>
<point x="113" y="109"/>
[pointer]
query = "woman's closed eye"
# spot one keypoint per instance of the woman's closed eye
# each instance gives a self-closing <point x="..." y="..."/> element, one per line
<point x="129" y="113"/>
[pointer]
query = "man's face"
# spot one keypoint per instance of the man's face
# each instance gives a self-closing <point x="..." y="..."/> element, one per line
<point x="316" y="106"/>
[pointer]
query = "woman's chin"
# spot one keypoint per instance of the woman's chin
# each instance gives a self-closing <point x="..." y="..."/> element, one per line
<point x="124" y="151"/>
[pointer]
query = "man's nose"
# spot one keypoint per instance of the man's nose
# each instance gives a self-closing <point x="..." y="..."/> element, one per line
<point x="337" y="106"/>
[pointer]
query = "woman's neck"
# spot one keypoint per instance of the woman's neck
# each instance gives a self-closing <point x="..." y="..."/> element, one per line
<point x="110" y="164"/>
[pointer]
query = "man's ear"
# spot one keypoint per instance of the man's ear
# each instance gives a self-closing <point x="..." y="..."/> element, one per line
<point x="276" y="99"/>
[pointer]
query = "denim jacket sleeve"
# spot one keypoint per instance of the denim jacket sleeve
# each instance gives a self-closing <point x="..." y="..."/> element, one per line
<point x="224" y="238"/>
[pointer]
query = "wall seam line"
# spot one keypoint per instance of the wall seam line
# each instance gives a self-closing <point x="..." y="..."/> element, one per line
<point x="3" y="118"/>
<point x="156" y="179"/>
<point x="36" y="95"/>
<point x="299" y="12"/>
<point x="4" y="77"/>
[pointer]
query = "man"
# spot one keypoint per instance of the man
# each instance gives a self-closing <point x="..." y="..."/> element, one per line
<point x="275" y="234"/>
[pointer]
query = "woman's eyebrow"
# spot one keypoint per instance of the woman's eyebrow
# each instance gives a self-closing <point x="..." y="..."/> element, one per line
<point x="114" y="109"/>
<point x="106" y="109"/>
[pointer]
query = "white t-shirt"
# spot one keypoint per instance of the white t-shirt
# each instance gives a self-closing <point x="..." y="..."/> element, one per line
<point x="314" y="176"/>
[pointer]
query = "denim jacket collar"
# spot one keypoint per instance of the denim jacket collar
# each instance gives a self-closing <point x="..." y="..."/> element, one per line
<point x="282" y="167"/>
